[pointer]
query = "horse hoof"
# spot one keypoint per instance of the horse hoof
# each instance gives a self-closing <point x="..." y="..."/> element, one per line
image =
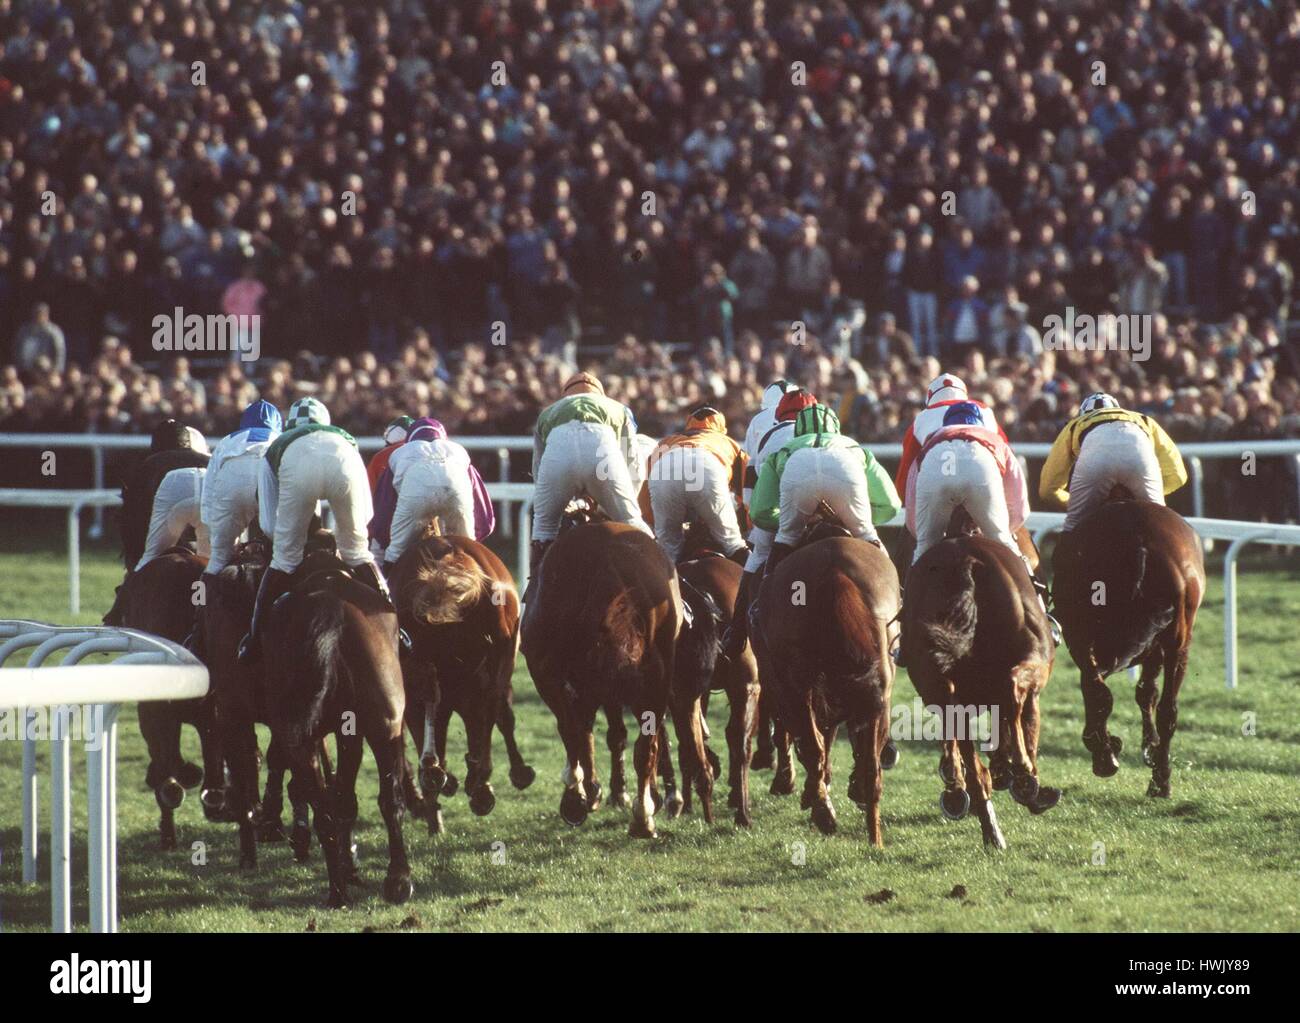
<point x="573" y="808"/>
<point x="336" y="900"/>
<point x="483" y="801"/>
<point x="1001" y="782"/>
<point x="189" y="775"/>
<point x="823" y="816"/>
<point x="1158" y="790"/>
<point x="656" y="799"/>
<point x="733" y="799"/>
<point x="436" y="825"/>
<point x="432" y="776"/>
<point x="783" y="784"/>
<point x="300" y="841"/>
<point x="398" y="889"/>
<point x="1116" y="745"/>
<point x="889" y="756"/>
<point x="743" y="820"/>
<point x="641" y="828"/>
<point x="955" y="803"/>
<point x="1024" y="790"/>
<point x="620" y="798"/>
<point x="451" y="785"/>
<point x="170" y="794"/>
<point x="675" y="805"/>
<point x="595" y="796"/>
<point x="167" y="843"/>
<point x="946" y="773"/>
<point x="271" y="831"/>
<point x="1149" y="754"/>
<point x="523" y="776"/>
<point x="995" y="841"/>
<point x="215" y="806"/>
<point x="1047" y="798"/>
<point x="761" y="760"/>
<point x="248" y="861"/>
<point x="1105" y="765"/>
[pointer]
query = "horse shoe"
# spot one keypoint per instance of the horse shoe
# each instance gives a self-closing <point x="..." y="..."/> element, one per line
<point x="954" y="803"/>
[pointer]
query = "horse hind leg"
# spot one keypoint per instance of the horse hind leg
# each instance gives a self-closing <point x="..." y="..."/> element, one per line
<point x="573" y="800"/>
<point x="673" y="802"/>
<point x="783" y="776"/>
<point x="1146" y="694"/>
<point x="241" y="744"/>
<point x="521" y="775"/>
<point x="1097" y="705"/>
<point x="811" y="747"/>
<point x="478" y="758"/>
<point x="866" y="783"/>
<point x="646" y="755"/>
<point x="616" y="742"/>
<point x="1167" y="721"/>
<point x="744" y="699"/>
<point x="982" y="782"/>
<point x="954" y="800"/>
<point x="390" y="758"/>
<point x="688" y="720"/>
<point x="161" y="728"/>
<point x="1047" y="796"/>
<point x="350" y="751"/>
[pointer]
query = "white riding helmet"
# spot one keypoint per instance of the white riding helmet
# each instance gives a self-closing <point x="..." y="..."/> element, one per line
<point x="775" y="391"/>
<point x="1097" y="400"/>
<point x="944" y="387"/>
<point x="198" y="442"/>
<point x="304" y="411"/>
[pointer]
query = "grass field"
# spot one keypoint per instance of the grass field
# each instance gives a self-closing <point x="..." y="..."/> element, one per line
<point x="1220" y="855"/>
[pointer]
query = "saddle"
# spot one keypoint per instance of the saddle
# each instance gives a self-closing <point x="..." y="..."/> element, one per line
<point x="823" y="525"/>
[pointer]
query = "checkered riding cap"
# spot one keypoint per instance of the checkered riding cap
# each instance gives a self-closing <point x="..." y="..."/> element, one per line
<point x="1097" y="400"/>
<point x="304" y="411"/>
<point x="395" y="432"/>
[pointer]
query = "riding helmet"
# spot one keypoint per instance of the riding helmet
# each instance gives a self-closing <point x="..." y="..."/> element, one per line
<point x="1096" y="401"/>
<point x="304" y="411"/>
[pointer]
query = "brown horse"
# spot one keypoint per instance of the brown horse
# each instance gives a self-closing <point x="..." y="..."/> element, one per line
<point x="160" y="599"/>
<point x="458" y="602"/>
<point x="241" y="703"/>
<point x="976" y="636"/>
<point x="1127" y="584"/>
<point x="601" y="631"/>
<point x="719" y="580"/>
<point x="333" y="667"/>
<point x="822" y="640"/>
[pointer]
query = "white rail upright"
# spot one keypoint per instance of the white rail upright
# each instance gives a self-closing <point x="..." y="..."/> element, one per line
<point x="152" y="669"/>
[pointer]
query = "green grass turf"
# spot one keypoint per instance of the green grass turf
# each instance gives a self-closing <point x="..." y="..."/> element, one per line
<point x="1219" y="855"/>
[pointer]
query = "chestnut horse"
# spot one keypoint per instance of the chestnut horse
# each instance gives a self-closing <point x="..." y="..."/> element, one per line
<point x="458" y="603"/>
<point x="160" y="599"/>
<point x="332" y="667"/>
<point x="975" y="636"/>
<point x="822" y="640"/>
<point x="1127" y="584"/>
<point x="718" y="579"/>
<point x="241" y="703"/>
<point x="601" y="631"/>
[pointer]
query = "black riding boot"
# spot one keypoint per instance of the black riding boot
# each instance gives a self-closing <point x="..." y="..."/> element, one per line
<point x="779" y="551"/>
<point x="274" y="584"/>
<point x="194" y="641"/>
<point x="117" y="613"/>
<point x="370" y="574"/>
<point x="740" y="557"/>
<point x="733" y="640"/>
<point x="1040" y="588"/>
<point x="536" y="552"/>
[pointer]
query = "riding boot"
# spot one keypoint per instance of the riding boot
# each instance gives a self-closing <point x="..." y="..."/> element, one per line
<point x="740" y="557"/>
<point x="117" y="613"/>
<point x="368" y="572"/>
<point x="536" y="552"/>
<point x="733" y="640"/>
<point x="194" y="641"/>
<point x="779" y="551"/>
<point x="1040" y="588"/>
<point x="274" y="584"/>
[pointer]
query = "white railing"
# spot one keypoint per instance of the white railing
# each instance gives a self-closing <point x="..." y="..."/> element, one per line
<point x="151" y="669"/>
<point x="1238" y="533"/>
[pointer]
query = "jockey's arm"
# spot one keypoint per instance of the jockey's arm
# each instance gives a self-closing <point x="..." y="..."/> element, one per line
<point x="485" y="516"/>
<point x="910" y="450"/>
<point x="885" y="502"/>
<point x="539" y="446"/>
<point x="1054" y="484"/>
<point x="268" y="497"/>
<point x="765" y="510"/>
<point x="1173" y="472"/>
<point x="627" y="441"/>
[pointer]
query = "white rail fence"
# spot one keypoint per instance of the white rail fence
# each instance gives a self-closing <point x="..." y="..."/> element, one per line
<point x="150" y="668"/>
<point x="1041" y="524"/>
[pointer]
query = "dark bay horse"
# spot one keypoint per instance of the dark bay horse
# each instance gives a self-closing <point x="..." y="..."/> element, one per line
<point x="160" y="599"/>
<point x="975" y="637"/>
<point x="241" y="704"/>
<point x="822" y="640"/>
<point x="601" y="631"/>
<point x="1127" y="584"/>
<point x="719" y="580"/>
<point x="332" y="667"/>
<point x="458" y="602"/>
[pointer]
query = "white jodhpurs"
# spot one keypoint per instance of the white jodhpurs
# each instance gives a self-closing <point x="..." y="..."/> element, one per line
<point x="833" y="475"/>
<point x="583" y="457"/>
<point x="176" y="506"/>
<point x="689" y="482"/>
<point x="229" y="504"/>
<point x="959" y="472"/>
<point x="429" y="489"/>
<point x="1113" y="453"/>
<point x="322" y="466"/>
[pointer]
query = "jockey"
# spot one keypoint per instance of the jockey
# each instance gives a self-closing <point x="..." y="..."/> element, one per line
<point x="310" y="461"/>
<point x="764" y="419"/>
<point x="819" y="464"/>
<point x="160" y="500"/>
<point x="583" y="442"/>
<point x="760" y="539"/>
<point x="395" y="434"/>
<point x="944" y="390"/>
<point x="433" y="476"/>
<point x="698" y="472"/>
<point x="1105" y="445"/>
<point x="230" y="487"/>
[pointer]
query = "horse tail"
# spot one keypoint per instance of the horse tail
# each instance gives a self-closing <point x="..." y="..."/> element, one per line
<point x="1132" y="567"/>
<point x="444" y="590"/>
<point x="855" y="654"/>
<point x="947" y="622"/>
<point x="697" y="646"/>
<point x="318" y="624"/>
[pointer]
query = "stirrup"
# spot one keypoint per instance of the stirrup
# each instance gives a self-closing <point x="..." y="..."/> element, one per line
<point x="404" y="639"/>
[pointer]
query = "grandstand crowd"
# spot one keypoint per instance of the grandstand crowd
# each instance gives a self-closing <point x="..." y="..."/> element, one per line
<point x="655" y="189"/>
